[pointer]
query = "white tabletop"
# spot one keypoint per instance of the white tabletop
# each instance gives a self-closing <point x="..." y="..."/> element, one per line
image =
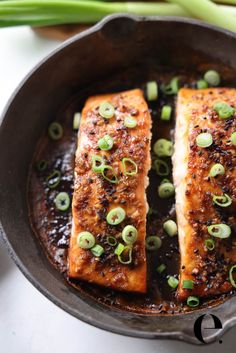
<point x="30" y="323"/>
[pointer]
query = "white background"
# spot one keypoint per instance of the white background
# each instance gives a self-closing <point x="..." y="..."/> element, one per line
<point x="29" y="323"/>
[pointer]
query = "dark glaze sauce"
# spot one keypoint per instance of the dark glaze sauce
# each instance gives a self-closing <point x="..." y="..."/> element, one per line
<point x="53" y="227"/>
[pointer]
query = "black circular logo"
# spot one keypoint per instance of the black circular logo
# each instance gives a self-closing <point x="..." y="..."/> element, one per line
<point x="198" y="326"/>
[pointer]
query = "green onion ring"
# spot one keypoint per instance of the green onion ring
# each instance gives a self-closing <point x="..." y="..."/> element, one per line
<point x="41" y="165"/>
<point x="106" y="143"/>
<point x="129" y="234"/>
<point x="76" y="121"/>
<point x="210" y="244"/>
<point x="53" y="179"/>
<point x="62" y="201"/>
<point x="97" y="163"/>
<point x="111" y="240"/>
<point x="231" y="276"/>
<point x="193" y="301"/>
<point x="126" y="162"/>
<point x="223" y="200"/>
<point x="204" y="139"/>
<point x="129" y="260"/>
<point x="116" y="216"/>
<point x="170" y="227"/>
<point x="152" y="91"/>
<point x="106" y="110"/>
<point x="217" y="169"/>
<point x="212" y="77"/>
<point x="166" y="190"/>
<point x="130" y="122"/>
<point x="161" y="167"/>
<point x="85" y="240"/>
<point x="55" y="131"/>
<point x="221" y="231"/>
<point x="118" y="250"/>
<point x="153" y="243"/>
<point x="224" y="110"/>
<point x="113" y="179"/>
<point x="97" y="250"/>
<point x="173" y="282"/>
<point x="187" y="284"/>
<point x="163" y="148"/>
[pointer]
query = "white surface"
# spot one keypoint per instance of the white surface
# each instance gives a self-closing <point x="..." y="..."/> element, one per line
<point x="29" y="323"/>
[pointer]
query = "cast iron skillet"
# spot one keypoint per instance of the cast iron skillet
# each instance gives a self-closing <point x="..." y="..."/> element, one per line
<point x="119" y="41"/>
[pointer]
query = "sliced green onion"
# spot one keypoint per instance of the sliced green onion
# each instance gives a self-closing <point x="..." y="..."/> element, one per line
<point x="161" y="268"/>
<point x="217" y="169"/>
<point x="116" y="216"/>
<point x="210" y="244"/>
<point x="166" y="190"/>
<point x="41" y="165"/>
<point x="55" y="131"/>
<point x="172" y="87"/>
<point x="106" y="143"/>
<point x="161" y="167"/>
<point x="202" y="84"/>
<point x="221" y="231"/>
<point x="233" y="138"/>
<point x="130" y="167"/>
<point x="222" y="201"/>
<point x="170" y="227"/>
<point x="53" y="179"/>
<point x="173" y="282"/>
<point x="231" y="278"/>
<point x="111" y="240"/>
<point x="204" y="139"/>
<point x="165" y="181"/>
<point x="85" y="240"/>
<point x="76" y="121"/>
<point x="130" y="122"/>
<point x="212" y="77"/>
<point x="118" y="250"/>
<point x="163" y="148"/>
<point x="224" y="110"/>
<point x="187" y="284"/>
<point x="123" y="256"/>
<point x="97" y="250"/>
<point x="109" y="174"/>
<point x="62" y="201"/>
<point x="153" y="243"/>
<point x="129" y="234"/>
<point x="97" y="163"/>
<point x="166" y="112"/>
<point x="152" y="91"/>
<point x="106" y="110"/>
<point x="193" y="301"/>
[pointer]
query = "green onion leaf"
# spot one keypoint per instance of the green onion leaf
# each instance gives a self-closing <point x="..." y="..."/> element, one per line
<point x="170" y="227"/>
<point x="224" y="110"/>
<point x="221" y="231"/>
<point x="53" y="179"/>
<point x="62" y="201"/>
<point x="106" y="143"/>
<point x="233" y="138"/>
<point x="171" y="88"/>
<point x="76" y="121"/>
<point x="118" y="250"/>
<point x="97" y="250"/>
<point x="126" y="256"/>
<point x="173" y="282"/>
<point x="161" y="268"/>
<point x="55" y="131"/>
<point x="222" y="201"/>
<point x="202" y="84"/>
<point x="116" y="216"/>
<point x="130" y="167"/>
<point x="152" y="91"/>
<point x="97" y="163"/>
<point x="166" y="190"/>
<point x="163" y="148"/>
<point x="85" y="240"/>
<point x="193" y="301"/>
<point x="106" y="110"/>
<point x="109" y="174"/>
<point x="217" y="169"/>
<point x="111" y="240"/>
<point x="161" y="167"/>
<point x="204" y="139"/>
<point x="212" y="77"/>
<point x="187" y="284"/>
<point x="231" y="278"/>
<point x="210" y="244"/>
<point x="130" y="122"/>
<point x="129" y="234"/>
<point x="166" y="112"/>
<point x="41" y="165"/>
<point x="153" y="243"/>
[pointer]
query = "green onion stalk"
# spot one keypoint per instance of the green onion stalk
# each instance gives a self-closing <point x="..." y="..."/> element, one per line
<point x="53" y="12"/>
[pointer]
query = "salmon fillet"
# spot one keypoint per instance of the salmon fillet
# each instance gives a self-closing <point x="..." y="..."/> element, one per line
<point x="195" y="189"/>
<point x="94" y="196"/>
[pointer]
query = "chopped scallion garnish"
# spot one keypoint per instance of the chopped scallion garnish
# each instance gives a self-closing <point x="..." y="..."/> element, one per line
<point x="126" y="255"/>
<point x="130" y="122"/>
<point x="111" y="240"/>
<point x="153" y="243"/>
<point x="109" y="174"/>
<point x="170" y="227"/>
<point x="187" y="284"/>
<point x="130" y="167"/>
<point x="85" y="240"/>
<point x="116" y="216"/>
<point x="129" y="234"/>
<point x="212" y="77"/>
<point x="97" y="250"/>
<point x="62" y="201"/>
<point x="231" y="278"/>
<point x="204" y="139"/>
<point x="193" y="301"/>
<point x="172" y="87"/>
<point x="41" y="165"/>
<point x="53" y="179"/>
<point x="224" y="110"/>
<point x="210" y="244"/>
<point x="76" y="121"/>
<point x="202" y="84"/>
<point x="163" y="148"/>
<point x="106" y="143"/>
<point x="233" y="138"/>
<point x="217" y="169"/>
<point x="161" y="167"/>
<point x="55" y="131"/>
<point x="166" y="112"/>
<point x="97" y="163"/>
<point x="152" y="91"/>
<point x="173" y="282"/>
<point x="161" y="268"/>
<point x="166" y="190"/>
<point x="223" y="200"/>
<point x="221" y="231"/>
<point x="106" y="110"/>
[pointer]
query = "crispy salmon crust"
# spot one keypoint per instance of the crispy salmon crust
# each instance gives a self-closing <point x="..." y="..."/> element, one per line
<point x="195" y="189"/>
<point x="94" y="196"/>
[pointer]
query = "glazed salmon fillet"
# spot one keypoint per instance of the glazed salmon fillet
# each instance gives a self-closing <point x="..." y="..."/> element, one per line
<point x="95" y="196"/>
<point x="195" y="189"/>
